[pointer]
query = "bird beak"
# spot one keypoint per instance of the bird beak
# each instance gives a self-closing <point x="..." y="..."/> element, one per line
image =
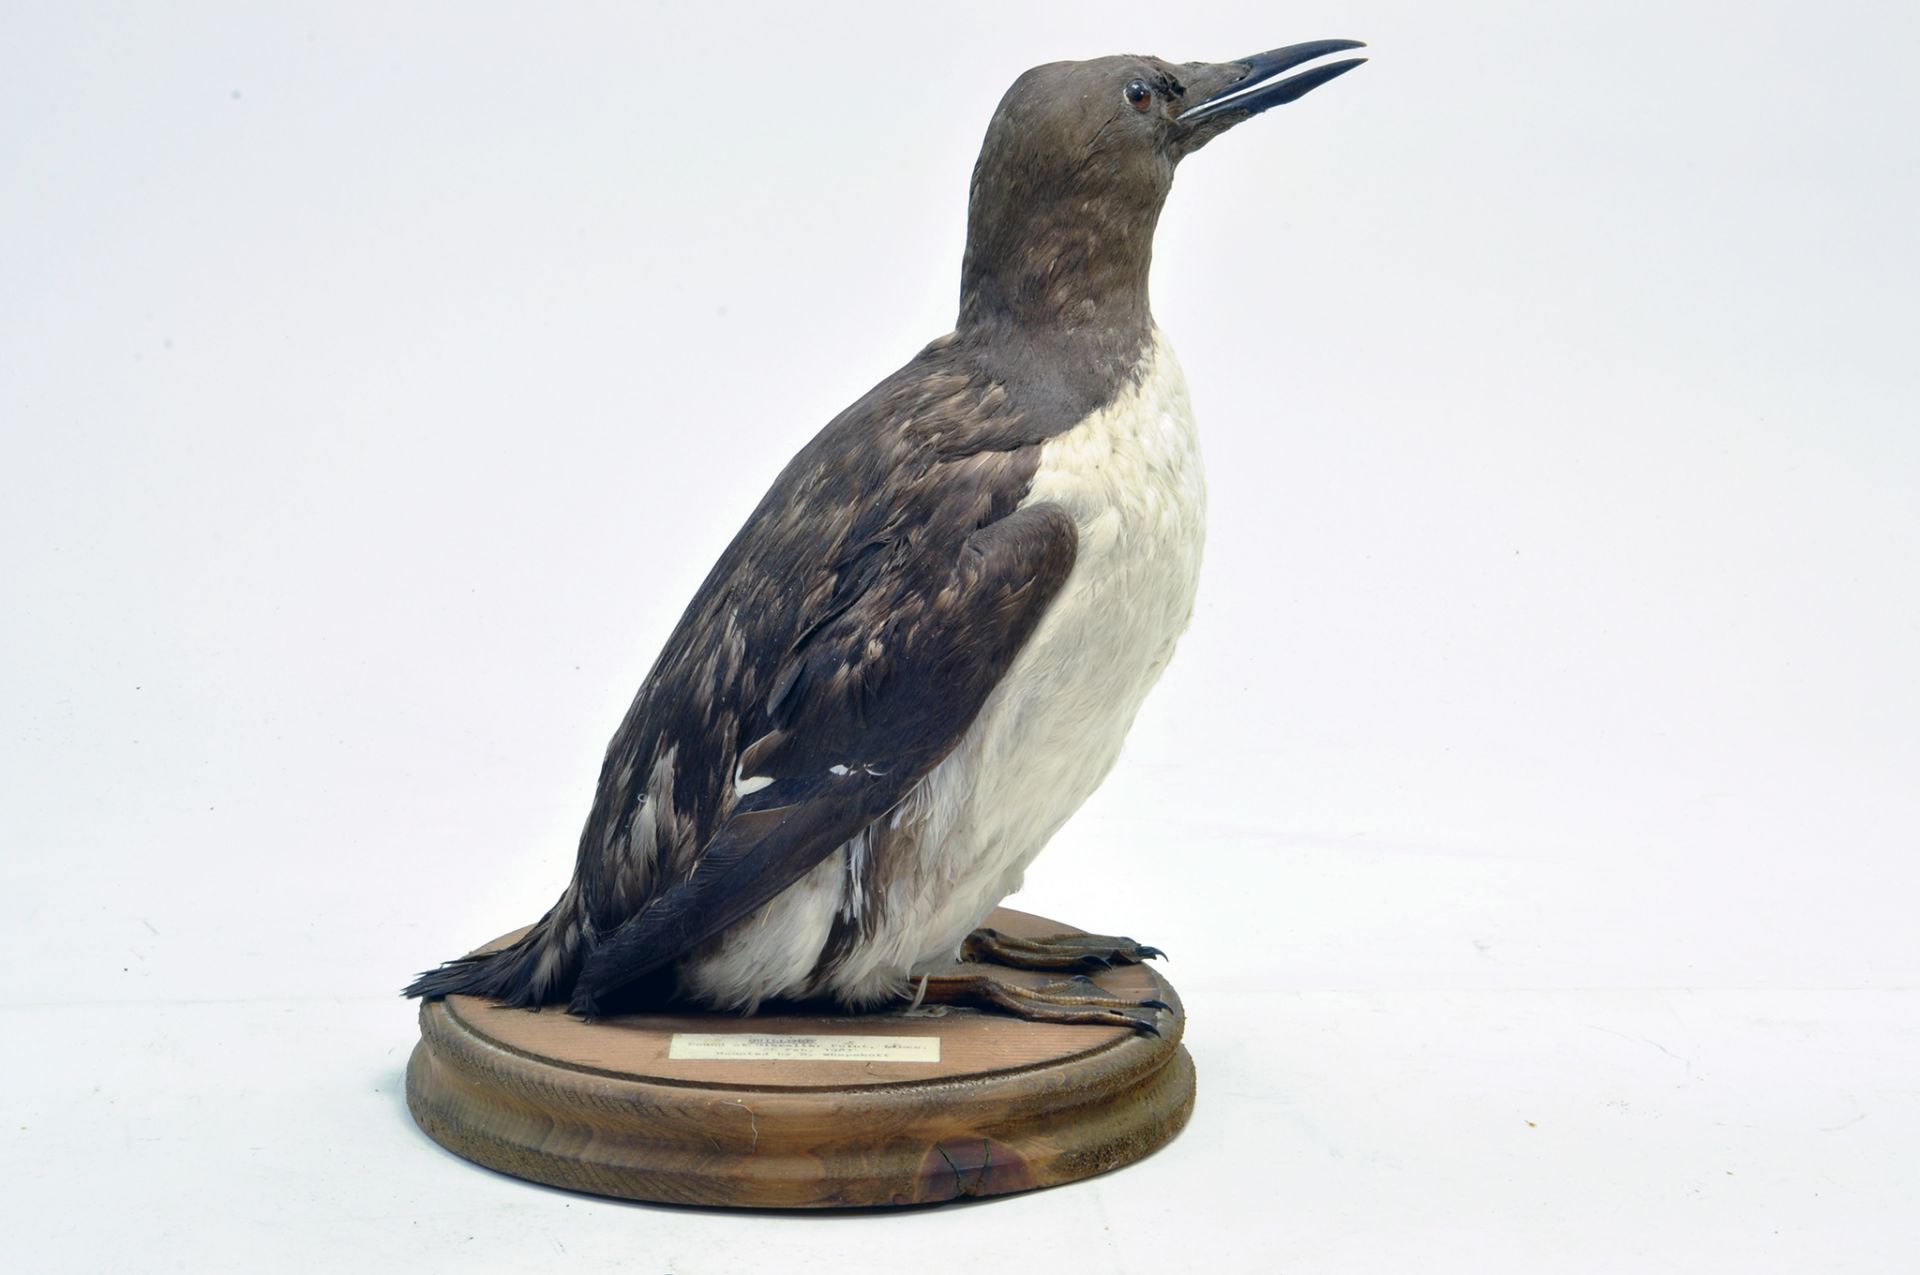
<point x="1230" y="92"/>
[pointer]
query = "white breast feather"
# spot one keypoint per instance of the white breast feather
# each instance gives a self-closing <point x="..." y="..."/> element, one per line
<point x="1049" y="732"/>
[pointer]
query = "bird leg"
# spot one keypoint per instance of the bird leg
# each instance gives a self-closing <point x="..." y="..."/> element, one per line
<point x="1072" y="1000"/>
<point x="1055" y="952"/>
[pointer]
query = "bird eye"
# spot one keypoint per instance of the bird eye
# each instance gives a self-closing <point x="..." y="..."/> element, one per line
<point x="1139" y="96"/>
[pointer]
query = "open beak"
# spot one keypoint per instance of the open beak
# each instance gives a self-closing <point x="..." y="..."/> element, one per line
<point x="1239" y="90"/>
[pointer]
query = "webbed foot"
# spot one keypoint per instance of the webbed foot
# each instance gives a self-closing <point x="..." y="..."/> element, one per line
<point x="1055" y="952"/>
<point x="1071" y="1000"/>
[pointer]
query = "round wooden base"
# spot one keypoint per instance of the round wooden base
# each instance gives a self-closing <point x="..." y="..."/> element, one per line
<point x="802" y="1111"/>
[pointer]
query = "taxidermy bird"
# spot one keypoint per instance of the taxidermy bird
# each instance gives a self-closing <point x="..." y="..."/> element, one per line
<point x="921" y="653"/>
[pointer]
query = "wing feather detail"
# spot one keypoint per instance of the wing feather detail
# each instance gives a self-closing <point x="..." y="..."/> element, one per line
<point x="864" y="707"/>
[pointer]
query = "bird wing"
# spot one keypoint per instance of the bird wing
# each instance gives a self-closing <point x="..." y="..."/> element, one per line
<point x="869" y="698"/>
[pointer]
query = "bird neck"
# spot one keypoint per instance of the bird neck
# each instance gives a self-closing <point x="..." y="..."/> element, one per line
<point x="1057" y="262"/>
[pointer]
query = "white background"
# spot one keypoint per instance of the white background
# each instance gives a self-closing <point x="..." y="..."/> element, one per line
<point x="1531" y="811"/>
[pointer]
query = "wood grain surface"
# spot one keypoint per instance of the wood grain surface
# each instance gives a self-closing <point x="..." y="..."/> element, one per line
<point x="602" y="1107"/>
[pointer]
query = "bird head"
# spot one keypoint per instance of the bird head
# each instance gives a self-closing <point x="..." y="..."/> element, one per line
<point x="1079" y="159"/>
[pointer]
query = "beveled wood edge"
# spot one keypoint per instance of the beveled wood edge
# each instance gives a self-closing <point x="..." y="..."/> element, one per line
<point x="903" y="1174"/>
<point x="583" y="1129"/>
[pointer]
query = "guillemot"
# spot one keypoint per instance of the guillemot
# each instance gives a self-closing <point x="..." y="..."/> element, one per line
<point x="922" y="652"/>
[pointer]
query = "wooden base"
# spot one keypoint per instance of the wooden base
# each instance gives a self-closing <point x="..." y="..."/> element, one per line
<point x="618" y="1108"/>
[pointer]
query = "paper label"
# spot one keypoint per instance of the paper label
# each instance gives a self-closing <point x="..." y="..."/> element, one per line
<point x="745" y="1046"/>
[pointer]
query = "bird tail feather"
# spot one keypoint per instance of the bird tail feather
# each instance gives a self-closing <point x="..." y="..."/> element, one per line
<point x="535" y="969"/>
